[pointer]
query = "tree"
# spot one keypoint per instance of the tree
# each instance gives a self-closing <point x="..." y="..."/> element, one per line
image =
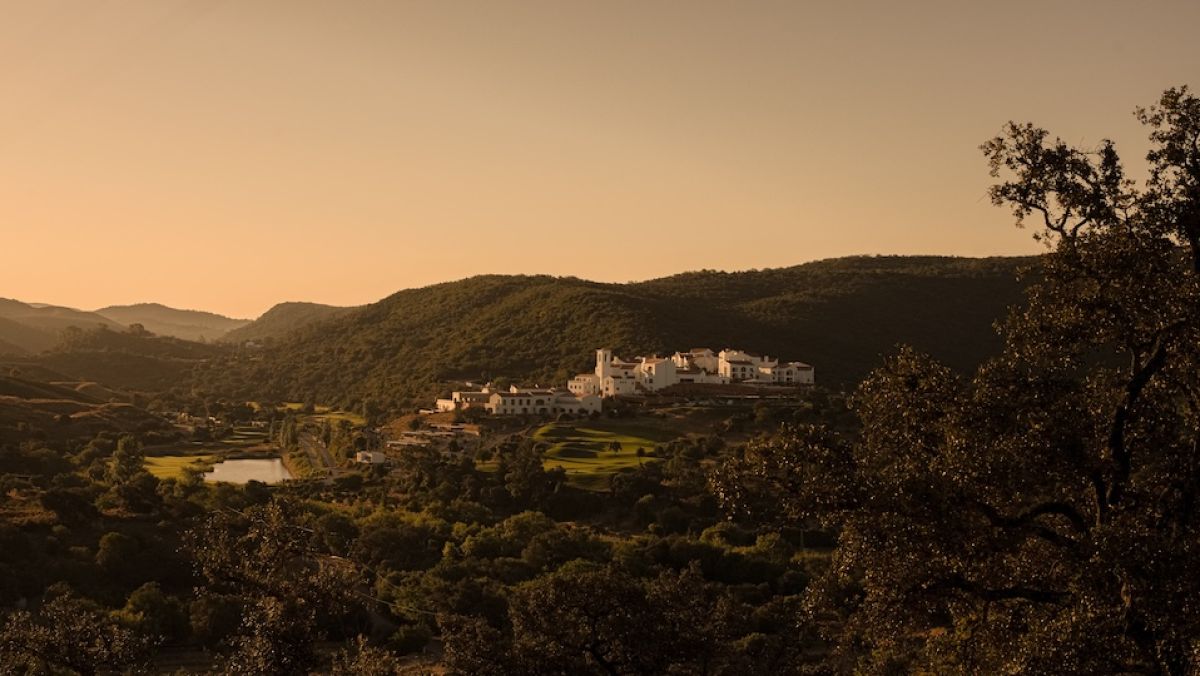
<point x="154" y="613"/>
<point x="72" y="507"/>
<point x="266" y="556"/>
<point x="365" y="660"/>
<point x="130" y="485"/>
<point x="69" y="633"/>
<point x="525" y="478"/>
<point x="1040" y="515"/>
<point x="588" y="619"/>
<point x="127" y="461"/>
<point x="116" y="553"/>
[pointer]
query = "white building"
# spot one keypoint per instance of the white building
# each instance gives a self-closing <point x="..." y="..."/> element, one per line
<point x="614" y="376"/>
<point x="518" y="401"/>
<point x="521" y="401"/>
<point x="370" y="457"/>
<point x="463" y="400"/>
<point x="741" y="366"/>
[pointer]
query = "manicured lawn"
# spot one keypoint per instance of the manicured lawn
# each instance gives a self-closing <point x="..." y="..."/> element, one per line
<point x="246" y="436"/>
<point x="171" y="466"/>
<point x="321" y="413"/>
<point x="585" y="449"/>
<point x="334" y="416"/>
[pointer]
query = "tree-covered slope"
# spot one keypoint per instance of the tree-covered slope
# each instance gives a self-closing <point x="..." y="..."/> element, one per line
<point x="840" y="315"/>
<point x="127" y="360"/>
<point x="281" y="320"/>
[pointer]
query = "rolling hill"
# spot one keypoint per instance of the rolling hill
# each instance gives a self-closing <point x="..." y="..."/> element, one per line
<point x="124" y="360"/>
<point x="18" y="338"/>
<point x="281" y="320"/>
<point x="841" y="315"/>
<point x="59" y="413"/>
<point x="168" y="321"/>
<point x="28" y="328"/>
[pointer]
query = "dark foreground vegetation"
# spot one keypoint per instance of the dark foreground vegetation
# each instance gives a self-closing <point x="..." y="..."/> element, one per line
<point x="1037" y="515"/>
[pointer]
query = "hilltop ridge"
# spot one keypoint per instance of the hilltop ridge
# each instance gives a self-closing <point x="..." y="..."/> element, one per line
<point x="841" y="315"/>
<point x="168" y="321"/>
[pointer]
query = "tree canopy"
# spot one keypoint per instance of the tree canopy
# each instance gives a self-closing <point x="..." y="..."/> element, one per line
<point x="1040" y="515"/>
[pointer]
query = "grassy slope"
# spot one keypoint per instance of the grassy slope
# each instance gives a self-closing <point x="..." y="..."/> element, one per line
<point x="173" y="466"/>
<point x="70" y="418"/>
<point x="584" y="449"/>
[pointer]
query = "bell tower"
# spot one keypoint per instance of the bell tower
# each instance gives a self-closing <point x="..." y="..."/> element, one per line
<point x="603" y="363"/>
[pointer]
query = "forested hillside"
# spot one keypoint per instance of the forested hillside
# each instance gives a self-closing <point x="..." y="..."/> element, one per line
<point x="128" y="360"/>
<point x="281" y="320"/>
<point x="841" y="315"/>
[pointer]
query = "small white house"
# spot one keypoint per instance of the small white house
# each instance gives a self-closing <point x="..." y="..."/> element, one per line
<point x="370" y="457"/>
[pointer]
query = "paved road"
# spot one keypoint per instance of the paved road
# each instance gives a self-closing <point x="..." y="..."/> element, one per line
<point x="318" y="454"/>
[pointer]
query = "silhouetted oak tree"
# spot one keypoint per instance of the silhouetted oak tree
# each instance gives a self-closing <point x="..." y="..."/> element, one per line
<point x="1039" y="516"/>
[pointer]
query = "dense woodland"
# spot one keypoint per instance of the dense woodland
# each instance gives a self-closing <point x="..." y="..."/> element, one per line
<point x="1032" y="509"/>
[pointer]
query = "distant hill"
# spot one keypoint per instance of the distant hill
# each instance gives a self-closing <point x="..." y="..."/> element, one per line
<point x="168" y="321"/>
<point x="841" y="315"/>
<point x="124" y="359"/>
<point x="18" y="338"/>
<point x="10" y="349"/>
<point x="27" y="328"/>
<point x="61" y="413"/>
<point x="281" y="320"/>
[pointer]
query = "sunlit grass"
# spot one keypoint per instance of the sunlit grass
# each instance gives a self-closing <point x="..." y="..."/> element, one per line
<point x="587" y="452"/>
<point x="173" y="466"/>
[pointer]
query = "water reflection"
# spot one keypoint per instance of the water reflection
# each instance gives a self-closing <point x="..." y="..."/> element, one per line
<point x="266" y="470"/>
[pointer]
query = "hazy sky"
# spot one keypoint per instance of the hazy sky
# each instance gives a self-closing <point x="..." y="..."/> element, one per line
<point x="230" y="155"/>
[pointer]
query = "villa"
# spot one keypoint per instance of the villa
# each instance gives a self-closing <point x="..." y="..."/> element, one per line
<point x="518" y="401"/>
<point x="615" y="377"/>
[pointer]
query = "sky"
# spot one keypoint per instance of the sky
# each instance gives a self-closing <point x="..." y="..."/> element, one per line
<point x="230" y="155"/>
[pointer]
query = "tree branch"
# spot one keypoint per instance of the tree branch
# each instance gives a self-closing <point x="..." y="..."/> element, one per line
<point x="1117" y="447"/>
<point x="1016" y="592"/>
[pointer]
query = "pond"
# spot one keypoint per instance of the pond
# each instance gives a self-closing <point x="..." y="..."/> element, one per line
<point x="266" y="470"/>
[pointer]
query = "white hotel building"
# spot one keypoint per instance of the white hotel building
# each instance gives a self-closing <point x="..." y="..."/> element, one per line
<point x="522" y="401"/>
<point x="614" y="376"/>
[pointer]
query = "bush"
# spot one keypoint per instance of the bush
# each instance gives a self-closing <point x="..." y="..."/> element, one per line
<point x="672" y="520"/>
<point x="410" y="638"/>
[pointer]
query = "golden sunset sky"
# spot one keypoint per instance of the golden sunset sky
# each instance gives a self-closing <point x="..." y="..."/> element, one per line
<point x="230" y="155"/>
